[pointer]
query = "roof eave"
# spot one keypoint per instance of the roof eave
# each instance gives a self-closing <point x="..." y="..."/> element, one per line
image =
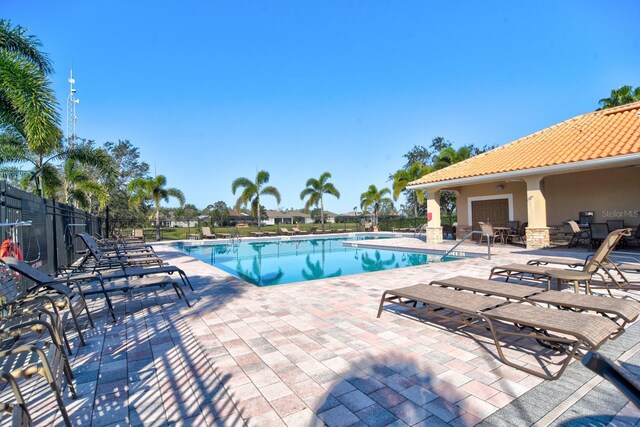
<point x="625" y="160"/>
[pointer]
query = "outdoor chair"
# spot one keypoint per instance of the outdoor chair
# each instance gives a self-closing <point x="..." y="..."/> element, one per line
<point x="22" y="360"/>
<point x="14" y="414"/>
<point x="313" y="230"/>
<point x="297" y="230"/>
<point x="622" y="312"/>
<point x="102" y="260"/>
<point x="286" y="231"/>
<point x="634" y="238"/>
<point x="53" y="296"/>
<point x="417" y="232"/>
<point x="616" y="375"/>
<point x="599" y="264"/>
<point x="598" y="231"/>
<point x="519" y="232"/>
<point x="206" y="233"/>
<point x="577" y="235"/>
<point x="106" y="281"/>
<point x="489" y="233"/>
<point x="565" y="331"/>
<point x="615" y="224"/>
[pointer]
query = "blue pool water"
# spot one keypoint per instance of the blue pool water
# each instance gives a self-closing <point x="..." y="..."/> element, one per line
<point x="267" y="263"/>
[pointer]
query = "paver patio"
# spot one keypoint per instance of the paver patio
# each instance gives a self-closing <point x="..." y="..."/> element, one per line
<point x="314" y="353"/>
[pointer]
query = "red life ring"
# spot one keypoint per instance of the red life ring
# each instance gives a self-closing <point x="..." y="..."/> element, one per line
<point x="11" y="248"/>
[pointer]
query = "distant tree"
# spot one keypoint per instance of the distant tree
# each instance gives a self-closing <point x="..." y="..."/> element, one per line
<point x="624" y="95"/>
<point x="153" y="189"/>
<point x="220" y="211"/>
<point x="315" y="191"/>
<point x="317" y="215"/>
<point x="128" y="166"/>
<point x="187" y="213"/>
<point x="252" y="190"/>
<point x="373" y="198"/>
<point x="403" y="177"/>
<point x="418" y="154"/>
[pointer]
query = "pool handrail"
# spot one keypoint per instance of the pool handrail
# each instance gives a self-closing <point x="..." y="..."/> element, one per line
<point x="466" y="236"/>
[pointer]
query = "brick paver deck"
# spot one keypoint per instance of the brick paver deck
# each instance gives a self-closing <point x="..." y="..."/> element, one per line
<point x="314" y="353"/>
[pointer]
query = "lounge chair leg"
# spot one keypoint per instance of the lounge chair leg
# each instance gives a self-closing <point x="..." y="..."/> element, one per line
<point x="381" y="304"/>
<point x="179" y="291"/>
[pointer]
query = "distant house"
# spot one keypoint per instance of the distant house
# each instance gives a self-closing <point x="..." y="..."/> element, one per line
<point x="295" y="217"/>
<point x="586" y="168"/>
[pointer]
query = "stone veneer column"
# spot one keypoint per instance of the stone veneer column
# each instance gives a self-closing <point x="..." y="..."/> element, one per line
<point x="537" y="231"/>
<point x="434" y="235"/>
<point x="538" y="238"/>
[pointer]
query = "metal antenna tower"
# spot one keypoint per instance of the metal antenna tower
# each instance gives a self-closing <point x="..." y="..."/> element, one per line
<point x="72" y="102"/>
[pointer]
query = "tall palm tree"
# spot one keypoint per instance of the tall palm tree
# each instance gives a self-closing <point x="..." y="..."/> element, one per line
<point x="78" y="188"/>
<point x="621" y="96"/>
<point x="404" y="176"/>
<point x="374" y="198"/>
<point x="315" y="191"/>
<point x="144" y="189"/>
<point x="252" y="190"/>
<point x="28" y="108"/>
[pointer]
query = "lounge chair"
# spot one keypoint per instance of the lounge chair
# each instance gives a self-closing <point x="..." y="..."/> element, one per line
<point x="313" y="230"/>
<point x="286" y="231"/>
<point x="103" y="260"/>
<point x="596" y="265"/>
<point x="623" y="312"/>
<point x="17" y="413"/>
<point x="224" y="235"/>
<point x="104" y="282"/>
<point x="577" y="235"/>
<point x="417" y="232"/>
<point x="559" y="329"/>
<point x="206" y="233"/>
<point x="297" y="230"/>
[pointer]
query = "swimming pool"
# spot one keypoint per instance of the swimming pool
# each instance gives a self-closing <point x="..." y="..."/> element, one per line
<point x="287" y="260"/>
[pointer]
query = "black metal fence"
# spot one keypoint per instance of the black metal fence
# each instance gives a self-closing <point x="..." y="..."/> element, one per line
<point x="45" y="229"/>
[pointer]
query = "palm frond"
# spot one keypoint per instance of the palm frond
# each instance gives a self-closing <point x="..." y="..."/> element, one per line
<point x="27" y="46"/>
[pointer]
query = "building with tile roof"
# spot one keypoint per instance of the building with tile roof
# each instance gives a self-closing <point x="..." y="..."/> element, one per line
<point x="589" y="163"/>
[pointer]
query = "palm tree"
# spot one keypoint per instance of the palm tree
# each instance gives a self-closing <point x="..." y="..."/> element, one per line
<point x="449" y="155"/>
<point x="621" y="96"/>
<point x="144" y="189"/>
<point x="374" y="198"/>
<point x="253" y="190"/>
<point x="315" y="191"/>
<point x="403" y="177"/>
<point x="28" y="108"/>
<point x="79" y="189"/>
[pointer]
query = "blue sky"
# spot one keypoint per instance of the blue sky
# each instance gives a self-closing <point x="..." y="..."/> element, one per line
<point x="211" y="91"/>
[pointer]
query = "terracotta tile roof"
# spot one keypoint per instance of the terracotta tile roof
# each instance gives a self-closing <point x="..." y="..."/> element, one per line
<point x="596" y="135"/>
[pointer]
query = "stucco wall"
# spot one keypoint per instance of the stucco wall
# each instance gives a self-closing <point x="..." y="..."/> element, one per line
<point x="610" y="193"/>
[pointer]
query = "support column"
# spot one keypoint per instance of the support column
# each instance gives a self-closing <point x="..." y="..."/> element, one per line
<point x="434" y="227"/>
<point x="537" y="231"/>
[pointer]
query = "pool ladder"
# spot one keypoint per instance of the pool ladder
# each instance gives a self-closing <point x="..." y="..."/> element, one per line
<point x="469" y="234"/>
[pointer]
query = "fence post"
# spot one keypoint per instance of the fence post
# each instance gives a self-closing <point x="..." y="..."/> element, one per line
<point x="55" y="234"/>
<point x="106" y="222"/>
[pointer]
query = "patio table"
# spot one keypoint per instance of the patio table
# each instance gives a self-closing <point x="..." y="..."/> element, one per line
<point x="572" y="276"/>
<point x="503" y="231"/>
